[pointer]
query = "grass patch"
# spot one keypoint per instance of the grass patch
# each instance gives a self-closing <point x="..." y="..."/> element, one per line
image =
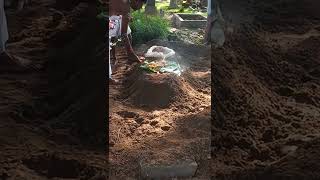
<point x="165" y="6"/>
<point x="145" y="27"/>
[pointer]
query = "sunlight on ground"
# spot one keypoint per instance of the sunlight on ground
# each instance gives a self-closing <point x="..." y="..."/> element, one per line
<point x="201" y="74"/>
<point x="164" y="5"/>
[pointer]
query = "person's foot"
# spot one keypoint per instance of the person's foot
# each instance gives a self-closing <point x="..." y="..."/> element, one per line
<point x="142" y="59"/>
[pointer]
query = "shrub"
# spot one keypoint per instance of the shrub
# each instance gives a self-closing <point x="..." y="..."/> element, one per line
<point x="146" y="27"/>
<point x="181" y="10"/>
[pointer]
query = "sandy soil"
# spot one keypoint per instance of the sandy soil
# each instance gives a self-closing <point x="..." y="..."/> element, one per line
<point x="42" y="136"/>
<point x="265" y="98"/>
<point x="266" y="94"/>
<point x="160" y="117"/>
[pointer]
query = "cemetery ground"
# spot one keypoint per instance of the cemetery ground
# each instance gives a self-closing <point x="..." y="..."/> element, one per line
<point x="265" y="86"/>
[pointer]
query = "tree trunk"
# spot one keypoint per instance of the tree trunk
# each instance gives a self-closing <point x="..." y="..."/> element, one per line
<point x="151" y="7"/>
<point x="173" y="4"/>
<point x="204" y="3"/>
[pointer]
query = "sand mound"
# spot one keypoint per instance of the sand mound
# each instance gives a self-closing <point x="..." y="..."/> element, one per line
<point x="153" y="115"/>
<point x="266" y="79"/>
<point x="60" y="107"/>
<point x="153" y="90"/>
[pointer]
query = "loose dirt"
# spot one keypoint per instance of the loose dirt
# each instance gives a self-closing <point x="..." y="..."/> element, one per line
<point x="265" y="97"/>
<point x="42" y="129"/>
<point x="266" y="112"/>
<point x="160" y="118"/>
<point x="266" y="93"/>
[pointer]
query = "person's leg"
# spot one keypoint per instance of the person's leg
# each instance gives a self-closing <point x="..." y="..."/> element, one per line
<point x="129" y="35"/>
<point x="130" y="38"/>
<point x="113" y="50"/>
<point x="124" y="30"/>
<point x="111" y="80"/>
<point x="113" y="53"/>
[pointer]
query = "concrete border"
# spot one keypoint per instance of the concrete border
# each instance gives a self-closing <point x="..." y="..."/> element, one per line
<point x="179" y="22"/>
<point x="184" y="169"/>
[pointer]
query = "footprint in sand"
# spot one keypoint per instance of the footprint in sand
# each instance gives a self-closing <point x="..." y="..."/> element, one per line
<point x="128" y="114"/>
<point x="139" y="120"/>
<point x="165" y="128"/>
<point x="153" y="123"/>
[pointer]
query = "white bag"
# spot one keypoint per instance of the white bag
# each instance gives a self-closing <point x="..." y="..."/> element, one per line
<point x="159" y="52"/>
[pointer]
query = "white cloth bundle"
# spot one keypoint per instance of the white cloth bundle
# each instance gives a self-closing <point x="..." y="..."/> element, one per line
<point x="4" y="36"/>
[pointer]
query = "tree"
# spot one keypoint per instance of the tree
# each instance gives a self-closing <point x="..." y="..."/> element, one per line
<point x="151" y="7"/>
<point x="204" y="3"/>
<point x="173" y="4"/>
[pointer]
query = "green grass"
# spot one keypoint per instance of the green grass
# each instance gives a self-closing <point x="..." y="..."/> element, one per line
<point x="162" y="5"/>
<point x="145" y="27"/>
<point x="165" y="6"/>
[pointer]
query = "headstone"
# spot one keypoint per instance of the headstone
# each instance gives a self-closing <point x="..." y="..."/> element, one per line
<point x="181" y="169"/>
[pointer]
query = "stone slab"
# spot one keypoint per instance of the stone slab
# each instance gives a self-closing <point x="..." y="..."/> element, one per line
<point x="181" y="169"/>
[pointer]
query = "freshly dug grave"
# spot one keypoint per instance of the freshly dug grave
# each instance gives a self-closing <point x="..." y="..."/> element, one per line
<point x="52" y="129"/>
<point x="266" y="95"/>
<point x="160" y="118"/>
<point x="152" y="90"/>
